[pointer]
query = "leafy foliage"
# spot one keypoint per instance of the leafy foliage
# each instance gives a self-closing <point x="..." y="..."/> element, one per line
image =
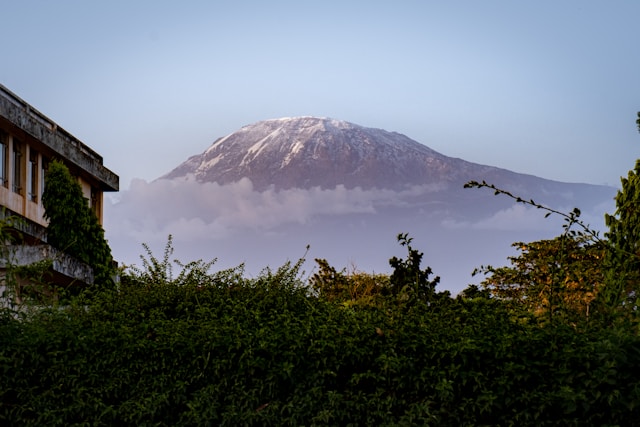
<point x="348" y="288"/>
<point x="615" y="281"/>
<point x="407" y="281"/>
<point x="623" y="260"/>
<point x="218" y="349"/>
<point x="73" y="227"/>
<point x="407" y="276"/>
<point x="561" y="276"/>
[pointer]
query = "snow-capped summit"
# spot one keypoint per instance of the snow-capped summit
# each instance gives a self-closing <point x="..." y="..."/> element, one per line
<point x="307" y="152"/>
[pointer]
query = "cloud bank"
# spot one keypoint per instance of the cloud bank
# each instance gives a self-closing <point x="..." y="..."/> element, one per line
<point x="238" y="224"/>
<point x="194" y="210"/>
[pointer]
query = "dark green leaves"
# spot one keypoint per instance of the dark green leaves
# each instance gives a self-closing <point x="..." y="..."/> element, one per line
<point x="73" y="227"/>
<point x="224" y="350"/>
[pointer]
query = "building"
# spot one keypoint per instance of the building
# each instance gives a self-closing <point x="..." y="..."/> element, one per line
<point x="28" y="142"/>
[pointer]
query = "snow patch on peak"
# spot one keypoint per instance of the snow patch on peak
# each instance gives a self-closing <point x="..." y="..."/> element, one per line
<point x="298" y="118"/>
<point x="295" y="149"/>
<point x="306" y="122"/>
<point x="289" y="119"/>
<point x="210" y="163"/>
<point x="258" y="147"/>
<point x="217" y="144"/>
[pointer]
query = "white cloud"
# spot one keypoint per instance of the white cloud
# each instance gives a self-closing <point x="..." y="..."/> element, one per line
<point x="194" y="211"/>
<point x="238" y="224"/>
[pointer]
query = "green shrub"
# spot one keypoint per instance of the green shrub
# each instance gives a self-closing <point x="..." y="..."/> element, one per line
<point x="219" y="349"/>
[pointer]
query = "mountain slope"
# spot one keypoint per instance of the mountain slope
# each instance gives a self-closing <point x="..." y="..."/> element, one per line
<point x="307" y="152"/>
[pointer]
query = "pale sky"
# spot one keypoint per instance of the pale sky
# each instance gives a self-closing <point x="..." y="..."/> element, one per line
<point x="549" y="88"/>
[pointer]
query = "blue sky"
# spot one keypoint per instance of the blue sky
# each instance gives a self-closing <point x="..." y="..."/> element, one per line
<point x="548" y="88"/>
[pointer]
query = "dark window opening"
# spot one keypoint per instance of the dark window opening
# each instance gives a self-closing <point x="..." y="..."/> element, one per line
<point x="3" y="159"/>
<point x="95" y="202"/>
<point x="32" y="175"/>
<point x="17" y="169"/>
<point x="43" y="174"/>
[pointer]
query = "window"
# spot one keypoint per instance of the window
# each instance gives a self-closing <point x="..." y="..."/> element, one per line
<point x="95" y="201"/>
<point x="3" y="158"/>
<point x="32" y="176"/>
<point x="44" y="167"/>
<point x="17" y="166"/>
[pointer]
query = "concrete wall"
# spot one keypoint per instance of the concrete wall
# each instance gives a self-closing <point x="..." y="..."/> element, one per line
<point x="62" y="264"/>
<point x="57" y="141"/>
<point x="40" y="140"/>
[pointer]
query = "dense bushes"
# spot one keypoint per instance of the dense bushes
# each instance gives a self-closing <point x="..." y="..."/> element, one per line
<point x="220" y="349"/>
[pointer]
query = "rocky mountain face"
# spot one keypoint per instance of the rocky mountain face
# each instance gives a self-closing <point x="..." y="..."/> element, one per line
<point x="308" y="152"/>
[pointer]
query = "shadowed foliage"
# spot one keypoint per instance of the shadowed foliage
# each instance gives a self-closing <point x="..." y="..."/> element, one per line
<point x="73" y="226"/>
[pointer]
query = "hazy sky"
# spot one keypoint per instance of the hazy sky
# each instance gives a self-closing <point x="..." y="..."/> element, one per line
<point x="549" y="88"/>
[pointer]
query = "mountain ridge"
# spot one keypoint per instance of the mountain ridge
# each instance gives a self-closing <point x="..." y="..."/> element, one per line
<point x="304" y="152"/>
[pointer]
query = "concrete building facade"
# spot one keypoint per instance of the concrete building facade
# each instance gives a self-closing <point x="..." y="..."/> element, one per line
<point x="28" y="142"/>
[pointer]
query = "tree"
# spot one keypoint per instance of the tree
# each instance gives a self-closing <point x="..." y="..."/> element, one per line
<point x="562" y="275"/>
<point x="407" y="275"/>
<point x="73" y="226"/>
<point x="623" y="257"/>
<point x="330" y="283"/>
<point x="353" y="287"/>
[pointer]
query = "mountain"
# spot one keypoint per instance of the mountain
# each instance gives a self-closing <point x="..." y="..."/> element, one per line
<point x="306" y="152"/>
<point x="261" y="194"/>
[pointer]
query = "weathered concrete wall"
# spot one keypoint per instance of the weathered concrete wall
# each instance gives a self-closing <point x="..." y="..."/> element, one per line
<point x="32" y="231"/>
<point x="65" y="268"/>
<point x="36" y="124"/>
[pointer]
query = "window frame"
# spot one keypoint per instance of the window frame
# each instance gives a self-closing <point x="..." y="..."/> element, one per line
<point x="4" y="169"/>
<point x="16" y="159"/>
<point x="32" y="175"/>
